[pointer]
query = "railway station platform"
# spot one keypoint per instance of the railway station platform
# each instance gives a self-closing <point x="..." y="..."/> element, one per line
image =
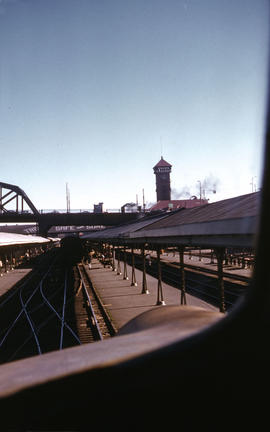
<point x="125" y="302"/>
<point x="8" y="280"/>
<point x="206" y="264"/>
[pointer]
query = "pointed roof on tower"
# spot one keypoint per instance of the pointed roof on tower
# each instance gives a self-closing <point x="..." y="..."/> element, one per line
<point x="162" y="163"/>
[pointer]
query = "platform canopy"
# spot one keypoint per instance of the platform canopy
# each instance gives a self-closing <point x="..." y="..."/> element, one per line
<point x="11" y="239"/>
<point x="227" y="223"/>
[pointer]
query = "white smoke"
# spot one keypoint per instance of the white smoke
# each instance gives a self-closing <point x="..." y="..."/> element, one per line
<point x="204" y="187"/>
<point x="208" y="185"/>
<point x="183" y="193"/>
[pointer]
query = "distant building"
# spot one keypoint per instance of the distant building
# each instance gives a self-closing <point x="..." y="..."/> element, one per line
<point x="170" y="205"/>
<point x="131" y="208"/>
<point x="162" y="172"/>
<point x="98" y="208"/>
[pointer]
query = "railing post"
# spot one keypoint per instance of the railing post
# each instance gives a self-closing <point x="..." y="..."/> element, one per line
<point x="125" y="276"/>
<point x="182" y="275"/>
<point x="160" y="300"/>
<point x="144" y="281"/>
<point x="220" y="256"/>
<point x="133" y="276"/>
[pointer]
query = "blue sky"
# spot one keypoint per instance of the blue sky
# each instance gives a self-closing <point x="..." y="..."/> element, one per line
<point x="91" y="90"/>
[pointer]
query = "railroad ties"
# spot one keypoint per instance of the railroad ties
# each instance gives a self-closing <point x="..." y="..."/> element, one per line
<point x="53" y="308"/>
<point x="92" y="320"/>
<point x="56" y="307"/>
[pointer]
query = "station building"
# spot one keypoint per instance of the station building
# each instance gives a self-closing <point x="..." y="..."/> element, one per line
<point x="162" y="172"/>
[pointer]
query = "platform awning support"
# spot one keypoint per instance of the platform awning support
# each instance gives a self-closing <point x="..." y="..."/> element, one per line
<point x="220" y="256"/>
<point x="113" y="259"/>
<point x="125" y="276"/>
<point x="119" y="272"/>
<point x="133" y="276"/>
<point x="144" y="281"/>
<point x="182" y="276"/>
<point x="160" y="300"/>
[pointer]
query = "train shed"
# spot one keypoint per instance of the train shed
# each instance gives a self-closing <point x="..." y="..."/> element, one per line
<point x="17" y="247"/>
<point x="169" y="363"/>
<point x="227" y="223"/>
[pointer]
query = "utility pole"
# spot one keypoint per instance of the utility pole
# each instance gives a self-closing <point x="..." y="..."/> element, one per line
<point x="199" y="181"/>
<point x="203" y="190"/>
<point x="68" y="198"/>
<point x="253" y="185"/>
<point x="1" y="208"/>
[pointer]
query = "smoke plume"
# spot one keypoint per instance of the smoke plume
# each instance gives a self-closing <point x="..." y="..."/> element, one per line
<point x="183" y="193"/>
<point x="208" y="185"/>
<point x="204" y="187"/>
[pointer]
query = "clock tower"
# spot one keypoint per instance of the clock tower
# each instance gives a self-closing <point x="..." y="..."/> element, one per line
<point x="163" y="184"/>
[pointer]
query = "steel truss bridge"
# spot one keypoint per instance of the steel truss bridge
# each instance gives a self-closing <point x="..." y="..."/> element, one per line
<point x="12" y="193"/>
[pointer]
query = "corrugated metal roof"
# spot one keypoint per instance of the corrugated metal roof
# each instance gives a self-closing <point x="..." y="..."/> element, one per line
<point x="226" y="223"/>
<point x="122" y="230"/>
<point x="176" y="204"/>
<point x="238" y="207"/>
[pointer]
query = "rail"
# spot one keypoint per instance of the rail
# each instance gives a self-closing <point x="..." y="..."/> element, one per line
<point x="199" y="288"/>
<point x="35" y="304"/>
<point x="198" y="267"/>
<point x="23" y="310"/>
<point x="28" y="317"/>
<point x="92" y="315"/>
<point x="63" y="322"/>
<point x="198" y="280"/>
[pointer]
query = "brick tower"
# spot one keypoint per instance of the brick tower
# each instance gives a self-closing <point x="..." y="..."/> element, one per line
<point x="163" y="184"/>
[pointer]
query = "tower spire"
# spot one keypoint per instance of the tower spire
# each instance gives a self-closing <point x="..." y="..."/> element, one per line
<point x="161" y="147"/>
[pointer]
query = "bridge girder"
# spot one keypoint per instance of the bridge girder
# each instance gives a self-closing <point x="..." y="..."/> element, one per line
<point x="14" y="193"/>
<point x="47" y="220"/>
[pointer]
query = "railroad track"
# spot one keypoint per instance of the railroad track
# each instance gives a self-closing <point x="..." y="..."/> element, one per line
<point x="203" y="286"/>
<point x="204" y="270"/>
<point x="91" y="310"/>
<point x="200" y="282"/>
<point x="34" y="315"/>
<point x="52" y="309"/>
<point x="198" y="268"/>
